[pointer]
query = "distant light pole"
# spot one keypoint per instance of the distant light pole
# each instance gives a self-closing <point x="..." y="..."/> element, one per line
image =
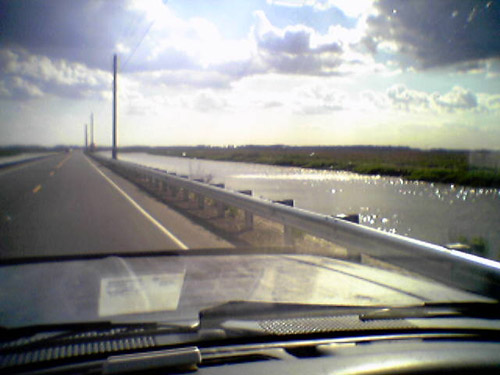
<point x="92" y="144"/>
<point x="115" y="103"/>
<point x="86" y="140"/>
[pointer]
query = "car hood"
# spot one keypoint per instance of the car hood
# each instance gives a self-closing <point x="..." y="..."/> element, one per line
<point x="169" y="288"/>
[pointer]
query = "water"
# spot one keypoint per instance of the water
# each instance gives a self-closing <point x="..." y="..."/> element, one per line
<point x="437" y="213"/>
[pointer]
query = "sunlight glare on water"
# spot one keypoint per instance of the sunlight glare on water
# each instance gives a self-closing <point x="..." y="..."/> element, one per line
<point x="433" y="212"/>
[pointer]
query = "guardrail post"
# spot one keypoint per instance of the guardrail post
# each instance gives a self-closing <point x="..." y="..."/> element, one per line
<point x="353" y="218"/>
<point x="288" y="236"/>
<point x="221" y="207"/>
<point x="287" y="230"/>
<point x="200" y="198"/>
<point x="174" y="190"/>
<point x="201" y="202"/>
<point x="248" y="214"/>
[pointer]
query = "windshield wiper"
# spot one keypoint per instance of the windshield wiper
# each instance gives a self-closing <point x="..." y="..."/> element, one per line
<point x="22" y="338"/>
<point x="242" y="309"/>
<point x="482" y="310"/>
<point x="260" y="318"/>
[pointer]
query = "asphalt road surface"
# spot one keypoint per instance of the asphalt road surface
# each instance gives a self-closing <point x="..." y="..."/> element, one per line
<point x="68" y="204"/>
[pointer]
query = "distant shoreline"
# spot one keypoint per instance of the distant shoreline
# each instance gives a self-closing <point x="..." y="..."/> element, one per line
<point x="438" y="166"/>
<point x="459" y="167"/>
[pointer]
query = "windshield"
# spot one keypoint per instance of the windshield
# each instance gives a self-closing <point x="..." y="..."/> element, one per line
<point x="161" y="157"/>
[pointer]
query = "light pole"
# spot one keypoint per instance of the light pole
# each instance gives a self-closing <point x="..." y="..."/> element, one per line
<point x="86" y="138"/>
<point x="92" y="144"/>
<point x="115" y="103"/>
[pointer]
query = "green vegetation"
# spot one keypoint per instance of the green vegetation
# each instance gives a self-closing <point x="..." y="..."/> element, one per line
<point x="446" y="166"/>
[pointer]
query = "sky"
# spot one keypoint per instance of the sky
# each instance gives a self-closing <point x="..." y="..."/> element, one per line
<point x="418" y="73"/>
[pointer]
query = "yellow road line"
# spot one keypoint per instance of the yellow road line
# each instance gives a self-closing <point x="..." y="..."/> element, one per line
<point x="141" y="210"/>
<point x="63" y="161"/>
<point x="37" y="189"/>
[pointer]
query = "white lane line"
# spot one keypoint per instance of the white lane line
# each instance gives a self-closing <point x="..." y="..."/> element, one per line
<point x="141" y="210"/>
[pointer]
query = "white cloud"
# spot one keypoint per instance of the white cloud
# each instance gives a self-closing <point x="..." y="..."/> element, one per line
<point x="4" y="91"/>
<point x="403" y="98"/>
<point x="320" y="99"/>
<point x="174" y="43"/>
<point x="491" y="103"/>
<point x="373" y="100"/>
<point x="351" y="8"/>
<point x="35" y="75"/>
<point x="15" y="87"/>
<point x="185" y="78"/>
<point x="456" y="99"/>
<point x="430" y="33"/>
<point x="298" y="49"/>
<point x="205" y="101"/>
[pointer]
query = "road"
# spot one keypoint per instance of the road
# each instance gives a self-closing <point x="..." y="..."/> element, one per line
<point x="68" y="204"/>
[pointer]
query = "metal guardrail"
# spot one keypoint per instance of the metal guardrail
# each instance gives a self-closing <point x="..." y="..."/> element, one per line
<point x="451" y="267"/>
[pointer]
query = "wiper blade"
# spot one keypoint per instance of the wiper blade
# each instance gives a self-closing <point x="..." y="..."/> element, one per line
<point x="21" y="338"/>
<point x="247" y="309"/>
<point x="482" y="310"/>
<point x="97" y="325"/>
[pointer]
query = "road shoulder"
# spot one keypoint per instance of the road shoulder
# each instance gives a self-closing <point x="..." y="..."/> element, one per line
<point x="191" y="234"/>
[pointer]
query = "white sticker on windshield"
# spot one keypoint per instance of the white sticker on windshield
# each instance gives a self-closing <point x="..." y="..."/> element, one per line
<point x="141" y="294"/>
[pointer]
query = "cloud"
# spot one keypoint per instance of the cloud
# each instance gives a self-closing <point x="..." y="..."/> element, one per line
<point x="18" y="88"/>
<point x="77" y="30"/>
<point x="458" y="98"/>
<point x="270" y="104"/>
<point x="298" y="49"/>
<point x="90" y="32"/>
<point x="373" y="100"/>
<point x="27" y="76"/>
<point x="292" y="40"/>
<point x="403" y="98"/>
<point x="320" y="99"/>
<point x="351" y="8"/>
<point x="205" y="101"/>
<point x="432" y="33"/>
<point x="186" y="78"/>
<point x="184" y="52"/>
<point x="490" y="102"/>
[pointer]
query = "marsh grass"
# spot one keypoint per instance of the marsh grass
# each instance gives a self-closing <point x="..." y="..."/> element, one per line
<point x="445" y="166"/>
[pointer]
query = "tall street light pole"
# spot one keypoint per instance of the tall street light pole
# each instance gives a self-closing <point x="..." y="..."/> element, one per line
<point x="86" y="139"/>
<point x="92" y="144"/>
<point x="115" y="103"/>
